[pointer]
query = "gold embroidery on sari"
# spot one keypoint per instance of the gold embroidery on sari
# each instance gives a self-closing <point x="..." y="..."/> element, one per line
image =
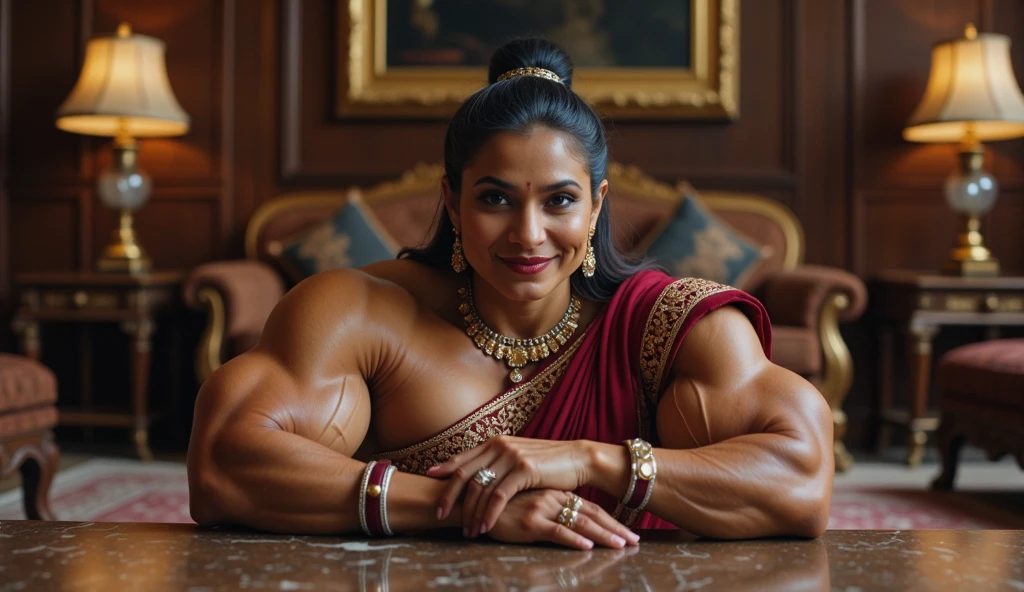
<point x="666" y="319"/>
<point x="505" y="415"/>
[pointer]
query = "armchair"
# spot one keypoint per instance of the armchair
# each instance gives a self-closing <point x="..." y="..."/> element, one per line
<point x="806" y="303"/>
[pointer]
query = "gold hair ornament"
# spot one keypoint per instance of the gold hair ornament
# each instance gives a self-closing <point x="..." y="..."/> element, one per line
<point x="530" y="71"/>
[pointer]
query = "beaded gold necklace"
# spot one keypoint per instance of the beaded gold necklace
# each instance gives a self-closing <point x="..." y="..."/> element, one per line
<point x="517" y="352"/>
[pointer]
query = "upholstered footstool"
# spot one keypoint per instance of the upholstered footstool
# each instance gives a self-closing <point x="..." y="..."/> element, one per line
<point x="981" y="386"/>
<point x="28" y="394"/>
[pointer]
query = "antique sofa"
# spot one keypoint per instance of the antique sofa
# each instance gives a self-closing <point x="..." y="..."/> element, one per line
<point x="806" y="303"/>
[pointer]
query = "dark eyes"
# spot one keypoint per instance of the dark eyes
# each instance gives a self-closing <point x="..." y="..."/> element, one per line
<point x="559" y="200"/>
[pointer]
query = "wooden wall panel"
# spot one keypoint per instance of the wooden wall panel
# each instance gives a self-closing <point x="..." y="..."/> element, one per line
<point x="914" y="233"/>
<point x="45" y="60"/>
<point x="44" y="234"/>
<point x="1004" y="230"/>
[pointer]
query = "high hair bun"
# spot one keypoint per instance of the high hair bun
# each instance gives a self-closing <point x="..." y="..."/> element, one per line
<point x="531" y="52"/>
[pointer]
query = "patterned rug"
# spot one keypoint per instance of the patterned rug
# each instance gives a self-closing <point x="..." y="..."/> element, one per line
<point x="110" y="490"/>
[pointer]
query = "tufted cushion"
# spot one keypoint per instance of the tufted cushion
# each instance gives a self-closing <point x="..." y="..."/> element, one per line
<point x="24" y="384"/>
<point x="694" y="242"/>
<point x="990" y="371"/>
<point x="28" y="420"/>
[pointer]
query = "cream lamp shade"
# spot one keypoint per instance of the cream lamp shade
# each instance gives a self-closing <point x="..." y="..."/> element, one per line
<point x="123" y="90"/>
<point x="971" y="91"/>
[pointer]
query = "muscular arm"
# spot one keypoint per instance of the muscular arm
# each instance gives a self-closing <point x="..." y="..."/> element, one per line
<point x="747" y="444"/>
<point x="275" y="428"/>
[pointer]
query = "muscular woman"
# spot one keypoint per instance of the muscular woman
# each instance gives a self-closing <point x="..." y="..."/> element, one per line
<point x="514" y="363"/>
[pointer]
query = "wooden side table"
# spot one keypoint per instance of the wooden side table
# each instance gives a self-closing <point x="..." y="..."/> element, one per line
<point x="922" y="303"/>
<point x="132" y="301"/>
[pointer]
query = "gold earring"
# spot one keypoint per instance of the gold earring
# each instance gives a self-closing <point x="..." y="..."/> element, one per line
<point x="589" y="261"/>
<point x="458" y="261"/>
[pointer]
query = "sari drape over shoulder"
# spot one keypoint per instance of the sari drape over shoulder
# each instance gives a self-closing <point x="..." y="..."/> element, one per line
<point x="605" y="384"/>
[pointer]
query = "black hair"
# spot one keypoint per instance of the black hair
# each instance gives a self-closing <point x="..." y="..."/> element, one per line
<point x="516" y="105"/>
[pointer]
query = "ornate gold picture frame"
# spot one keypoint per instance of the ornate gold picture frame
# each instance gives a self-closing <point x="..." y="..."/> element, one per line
<point x="703" y="83"/>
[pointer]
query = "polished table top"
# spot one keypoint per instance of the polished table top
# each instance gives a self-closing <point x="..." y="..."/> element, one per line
<point x="120" y="557"/>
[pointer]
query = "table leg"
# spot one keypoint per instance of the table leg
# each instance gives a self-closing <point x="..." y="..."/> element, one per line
<point x="919" y="350"/>
<point x="885" y="378"/>
<point x="30" y="342"/>
<point x="85" y="375"/>
<point x="140" y="332"/>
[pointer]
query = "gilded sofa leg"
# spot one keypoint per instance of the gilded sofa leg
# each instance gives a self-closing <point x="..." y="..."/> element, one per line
<point x="838" y="373"/>
<point x="208" y="356"/>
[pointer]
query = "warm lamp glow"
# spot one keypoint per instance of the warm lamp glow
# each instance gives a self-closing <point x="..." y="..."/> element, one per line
<point x="123" y="90"/>
<point x="971" y="97"/>
<point x="971" y="92"/>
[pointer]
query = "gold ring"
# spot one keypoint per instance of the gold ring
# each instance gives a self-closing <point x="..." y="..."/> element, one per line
<point x="570" y="511"/>
<point x="567" y="517"/>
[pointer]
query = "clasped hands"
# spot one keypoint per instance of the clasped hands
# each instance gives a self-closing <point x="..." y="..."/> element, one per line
<point x="530" y="488"/>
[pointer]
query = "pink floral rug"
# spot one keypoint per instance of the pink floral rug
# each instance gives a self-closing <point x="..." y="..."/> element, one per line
<point x="106" y="490"/>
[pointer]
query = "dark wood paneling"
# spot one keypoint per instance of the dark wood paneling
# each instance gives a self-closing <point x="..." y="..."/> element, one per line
<point x="910" y="234"/>
<point x="1003" y="230"/>
<point x="5" y="118"/>
<point x="44" y="234"/>
<point x="45" y="60"/>
<point x="317" y="149"/>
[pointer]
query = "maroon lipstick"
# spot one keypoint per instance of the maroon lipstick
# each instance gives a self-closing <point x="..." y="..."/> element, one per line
<point x="527" y="265"/>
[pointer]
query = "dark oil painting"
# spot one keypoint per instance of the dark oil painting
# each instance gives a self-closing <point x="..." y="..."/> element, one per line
<point x="596" y="33"/>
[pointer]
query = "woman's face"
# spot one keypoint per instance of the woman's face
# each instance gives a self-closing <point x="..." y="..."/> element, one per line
<point x="525" y="212"/>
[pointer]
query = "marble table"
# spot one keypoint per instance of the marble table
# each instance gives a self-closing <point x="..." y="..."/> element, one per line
<point x="120" y="557"/>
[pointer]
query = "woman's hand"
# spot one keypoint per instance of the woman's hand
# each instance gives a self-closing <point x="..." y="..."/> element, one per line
<point x="519" y="464"/>
<point x="531" y="516"/>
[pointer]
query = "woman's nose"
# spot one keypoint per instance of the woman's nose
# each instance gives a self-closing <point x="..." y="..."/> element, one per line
<point x="528" y="228"/>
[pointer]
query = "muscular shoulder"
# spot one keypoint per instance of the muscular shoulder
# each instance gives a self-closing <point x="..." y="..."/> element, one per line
<point x="333" y="310"/>
<point x="721" y="347"/>
<point x="431" y="287"/>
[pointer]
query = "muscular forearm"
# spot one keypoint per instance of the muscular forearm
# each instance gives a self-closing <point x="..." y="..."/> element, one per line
<point x="750" y="486"/>
<point x="274" y="480"/>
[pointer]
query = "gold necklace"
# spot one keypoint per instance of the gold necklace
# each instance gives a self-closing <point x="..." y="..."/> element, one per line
<point x="517" y="352"/>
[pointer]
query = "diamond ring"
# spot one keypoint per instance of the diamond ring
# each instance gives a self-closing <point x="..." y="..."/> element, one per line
<point x="484" y="477"/>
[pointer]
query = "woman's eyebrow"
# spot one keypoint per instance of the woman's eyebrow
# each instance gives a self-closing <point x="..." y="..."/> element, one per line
<point x="561" y="184"/>
<point x="510" y="187"/>
<point x="496" y="181"/>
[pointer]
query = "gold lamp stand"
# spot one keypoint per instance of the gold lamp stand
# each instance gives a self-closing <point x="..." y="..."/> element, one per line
<point x="124" y="254"/>
<point x="970" y="256"/>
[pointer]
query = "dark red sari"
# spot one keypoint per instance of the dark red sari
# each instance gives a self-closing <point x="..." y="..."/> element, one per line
<point x="604" y="385"/>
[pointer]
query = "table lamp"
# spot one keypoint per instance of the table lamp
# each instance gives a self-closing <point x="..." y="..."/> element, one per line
<point x="123" y="92"/>
<point x="971" y="97"/>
